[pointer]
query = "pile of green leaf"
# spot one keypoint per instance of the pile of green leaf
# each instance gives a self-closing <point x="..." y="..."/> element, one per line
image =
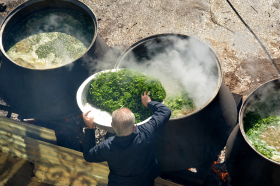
<point x="254" y="125"/>
<point x="62" y="44"/>
<point x="180" y="104"/>
<point x="113" y="90"/>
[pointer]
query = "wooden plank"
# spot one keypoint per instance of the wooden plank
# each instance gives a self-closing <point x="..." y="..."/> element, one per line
<point x="161" y="182"/>
<point x="53" y="164"/>
<point x="28" y="130"/>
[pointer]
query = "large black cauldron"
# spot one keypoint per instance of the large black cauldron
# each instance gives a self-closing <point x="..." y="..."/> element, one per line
<point x="245" y="165"/>
<point x="200" y="136"/>
<point x="47" y="93"/>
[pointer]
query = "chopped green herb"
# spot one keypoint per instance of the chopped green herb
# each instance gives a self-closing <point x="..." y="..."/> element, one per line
<point x="113" y="90"/>
<point x="62" y="45"/>
<point x="262" y="124"/>
<point x="180" y="104"/>
<point x="35" y="51"/>
<point x="49" y="38"/>
<point x="254" y="125"/>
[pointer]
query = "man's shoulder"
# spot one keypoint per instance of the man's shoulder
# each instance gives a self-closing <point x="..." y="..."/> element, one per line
<point x="144" y="128"/>
<point x="106" y="143"/>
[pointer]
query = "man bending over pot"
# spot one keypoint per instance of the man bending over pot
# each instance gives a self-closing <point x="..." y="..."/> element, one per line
<point x="130" y="153"/>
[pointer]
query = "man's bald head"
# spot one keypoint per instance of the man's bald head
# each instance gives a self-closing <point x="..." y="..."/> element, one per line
<point x="123" y="121"/>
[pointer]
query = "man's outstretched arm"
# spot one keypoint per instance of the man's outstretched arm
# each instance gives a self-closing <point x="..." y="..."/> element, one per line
<point x="91" y="152"/>
<point x="161" y="114"/>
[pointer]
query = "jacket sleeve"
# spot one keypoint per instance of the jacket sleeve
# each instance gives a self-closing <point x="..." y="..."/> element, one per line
<point x="160" y="117"/>
<point x="91" y="152"/>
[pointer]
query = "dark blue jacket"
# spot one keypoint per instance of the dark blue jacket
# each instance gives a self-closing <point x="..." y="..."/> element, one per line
<point x="131" y="159"/>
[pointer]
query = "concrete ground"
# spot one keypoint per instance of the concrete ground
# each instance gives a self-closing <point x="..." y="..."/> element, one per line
<point x="244" y="63"/>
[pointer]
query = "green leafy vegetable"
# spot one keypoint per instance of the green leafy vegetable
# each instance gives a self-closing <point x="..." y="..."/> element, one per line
<point x="62" y="45"/>
<point x="113" y="90"/>
<point x="254" y="125"/>
<point x="180" y="104"/>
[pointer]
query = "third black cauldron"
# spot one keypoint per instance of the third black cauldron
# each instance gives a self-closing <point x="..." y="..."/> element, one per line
<point x="247" y="166"/>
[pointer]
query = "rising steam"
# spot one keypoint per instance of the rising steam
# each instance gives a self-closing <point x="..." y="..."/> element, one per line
<point x="34" y="32"/>
<point x="265" y="102"/>
<point x="187" y="61"/>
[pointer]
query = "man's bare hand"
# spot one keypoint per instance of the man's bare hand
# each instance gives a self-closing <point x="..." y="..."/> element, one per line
<point x="89" y="121"/>
<point x="145" y="99"/>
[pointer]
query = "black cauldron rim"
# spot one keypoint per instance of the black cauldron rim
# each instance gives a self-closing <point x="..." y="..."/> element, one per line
<point x="19" y="7"/>
<point x="220" y="72"/>
<point x="244" y="105"/>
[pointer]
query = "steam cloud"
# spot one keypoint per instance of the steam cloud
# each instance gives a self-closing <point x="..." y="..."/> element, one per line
<point x="54" y="21"/>
<point x="188" y="61"/>
<point x="65" y="21"/>
<point x="266" y="102"/>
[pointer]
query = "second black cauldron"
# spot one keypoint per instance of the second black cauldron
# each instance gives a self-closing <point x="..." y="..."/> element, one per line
<point x="196" y="138"/>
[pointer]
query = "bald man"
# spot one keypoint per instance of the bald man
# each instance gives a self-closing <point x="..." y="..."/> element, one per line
<point x="130" y="153"/>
